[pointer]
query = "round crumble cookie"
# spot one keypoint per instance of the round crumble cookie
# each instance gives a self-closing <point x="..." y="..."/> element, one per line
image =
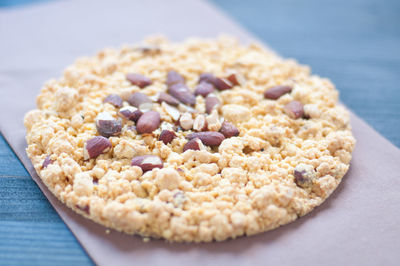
<point x="202" y="140"/>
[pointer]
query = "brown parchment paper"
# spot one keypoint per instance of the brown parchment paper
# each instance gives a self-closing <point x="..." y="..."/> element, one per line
<point x="358" y="225"/>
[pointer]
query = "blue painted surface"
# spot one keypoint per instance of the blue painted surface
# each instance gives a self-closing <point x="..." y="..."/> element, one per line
<point x="31" y="232"/>
<point x="355" y="43"/>
<point x="12" y="3"/>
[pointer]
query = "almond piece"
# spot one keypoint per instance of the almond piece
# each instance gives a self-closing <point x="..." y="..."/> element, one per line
<point x="114" y="99"/>
<point x="209" y="138"/>
<point x="200" y="123"/>
<point x="193" y="144"/>
<point x="107" y="126"/>
<point x="229" y="130"/>
<point x="182" y="93"/>
<point x="149" y="49"/>
<point x="96" y="146"/>
<point x="85" y="209"/>
<point x="179" y="198"/>
<point x="138" y="80"/>
<point x="276" y="92"/>
<point x="186" y="109"/>
<point x="212" y="102"/>
<point x="222" y="84"/>
<point x="167" y="136"/>
<point x="148" y="122"/>
<point x="165" y="97"/>
<point x="213" y="121"/>
<point x="145" y="107"/>
<point x="304" y="175"/>
<point x="130" y="113"/>
<point x="174" y="77"/>
<point x="47" y="161"/>
<point x="207" y="77"/>
<point x="138" y="98"/>
<point x="294" y="109"/>
<point x="236" y="79"/>
<point x="204" y="88"/>
<point x="186" y="121"/>
<point x="172" y="111"/>
<point x="147" y="162"/>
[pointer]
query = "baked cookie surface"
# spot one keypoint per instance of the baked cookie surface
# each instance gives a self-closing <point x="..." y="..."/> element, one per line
<point x="195" y="141"/>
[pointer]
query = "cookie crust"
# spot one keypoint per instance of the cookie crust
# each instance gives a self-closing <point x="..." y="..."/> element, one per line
<point x="277" y="169"/>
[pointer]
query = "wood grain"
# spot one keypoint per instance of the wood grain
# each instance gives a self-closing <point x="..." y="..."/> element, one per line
<point x="31" y="232"/>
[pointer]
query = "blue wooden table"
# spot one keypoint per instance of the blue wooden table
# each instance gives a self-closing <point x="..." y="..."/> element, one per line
<point x="355" y="43"/>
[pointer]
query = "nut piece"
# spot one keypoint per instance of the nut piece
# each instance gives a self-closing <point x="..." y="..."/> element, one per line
<point x="113" y="99"/>
<point x="276" y="92"/>
<point x="193" y="144"/>
<point x="149" y="49"/>
<point x="236" y="79"/>
<point x="107" y="126"/>
<point x="209" y="138"/>
<point x="172" y="111"/>
<point x="212" y="102"/>
<point x="294" y="109"/>
<point x="203" y="89"/>
<point x="85" y="209"/>
<point x="145" y="107"/>
<point x="47" y="161"/>
<point x="167" y="136"/>
<point x="222" y="84"/>
<point x="304" y="175"/>
<point x="130" y="113"/>
<point x="147" y="162"/>
<point x="96" y="146"/>
<point x="207" y="77"/>
<point x="148" y="122"/>
<point x="174" y="77"/>
<point x="165" y="97"/>
<point x="138" y="98"/>
<point x="229" y="130"/>
<point x="213" y="122"/>
<point x="186" y="121"/>
<point x="182" y="93"/>
<point x="200" y="123"/>
<point x="179" y="198"/>
<point x="186" y="109"/>
<point x="138" y="80"/>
